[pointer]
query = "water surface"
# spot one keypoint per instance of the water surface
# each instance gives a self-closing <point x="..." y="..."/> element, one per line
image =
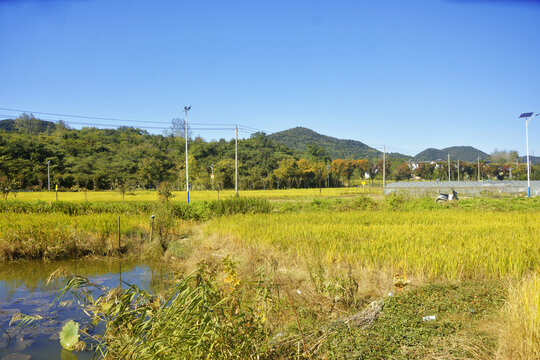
<point x="24" y="289"/>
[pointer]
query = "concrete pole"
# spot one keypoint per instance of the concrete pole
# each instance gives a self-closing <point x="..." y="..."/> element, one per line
<point x="118" y="232"/>
<point x="187" y="165"/>
<point x="49" y="174"/>
<point x="449" y="177"/>
<point x="384" y="167"/>
<point x="236" y="163"/>
<point x="458" y="170"/>
<point x="479" y="168"/>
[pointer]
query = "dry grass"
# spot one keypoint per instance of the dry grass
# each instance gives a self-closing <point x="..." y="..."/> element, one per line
<point x="520" y="335"/>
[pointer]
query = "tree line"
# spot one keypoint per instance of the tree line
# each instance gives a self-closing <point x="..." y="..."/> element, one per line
<point x="129" y="158"/>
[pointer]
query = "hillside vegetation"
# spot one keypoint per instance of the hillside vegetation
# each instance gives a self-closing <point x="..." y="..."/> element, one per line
<point x="128" y="158"/>
<point x="463" y="153"/>
<point x="300" y="139"/>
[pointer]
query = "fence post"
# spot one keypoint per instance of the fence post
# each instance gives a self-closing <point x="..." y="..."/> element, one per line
<point x="118" y="232"/>
<point x="152" y="227"/>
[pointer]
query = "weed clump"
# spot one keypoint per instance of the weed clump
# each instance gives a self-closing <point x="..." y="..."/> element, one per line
<point x="193" y="319"/>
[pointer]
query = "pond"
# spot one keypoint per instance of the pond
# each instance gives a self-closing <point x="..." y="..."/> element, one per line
<point x="24" y="289"/>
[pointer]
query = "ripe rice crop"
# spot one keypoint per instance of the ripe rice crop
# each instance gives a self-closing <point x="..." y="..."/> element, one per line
<point x="520" y="336"/>
<point x="452" y="243"/>
<point x="197" y="195"/>
<point x="58" y="235"/>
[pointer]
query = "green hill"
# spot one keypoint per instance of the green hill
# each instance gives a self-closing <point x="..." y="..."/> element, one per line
<point x="464" y="153"/>
<point x="27" y="124"/>
<point x="532" y="159"/>
<point x="299" y="138"/>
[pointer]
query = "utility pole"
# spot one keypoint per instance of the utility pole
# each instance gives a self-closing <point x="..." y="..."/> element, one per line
<point x="236" y="163"/>
<point x="458" y="170"/>
<point x="384" y="167"/>
<point x="49" y="174"/>
<point x="479" y="168"/>
<point x="449" y="178"/>
<point x="186" y="109"/>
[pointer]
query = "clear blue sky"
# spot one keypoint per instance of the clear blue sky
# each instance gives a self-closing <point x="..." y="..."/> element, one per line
<point x="408" y="74"/>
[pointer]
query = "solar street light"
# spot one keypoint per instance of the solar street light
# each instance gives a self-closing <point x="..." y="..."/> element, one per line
<point x="528" y="117"/>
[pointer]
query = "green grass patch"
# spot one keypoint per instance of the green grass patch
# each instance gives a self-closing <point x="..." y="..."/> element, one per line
<point x="401" y="333"/>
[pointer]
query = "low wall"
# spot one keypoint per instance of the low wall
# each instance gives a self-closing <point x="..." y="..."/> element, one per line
<point x="469" y="188"/>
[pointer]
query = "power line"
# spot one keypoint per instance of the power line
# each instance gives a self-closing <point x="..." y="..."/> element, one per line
<point x="117" y="119"/>
<point x="83" y="116"/>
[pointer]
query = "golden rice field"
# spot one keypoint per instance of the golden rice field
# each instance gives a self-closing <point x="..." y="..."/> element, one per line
<point x="198" y="195"/>
<point x="58" y="235"/>
<point x="472" y="242"/>
<point x="452" y="244"/>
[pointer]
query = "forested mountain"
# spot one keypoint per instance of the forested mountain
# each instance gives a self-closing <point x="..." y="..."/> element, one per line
<point x="300" y="139"/>
<point x="463" y="153"/>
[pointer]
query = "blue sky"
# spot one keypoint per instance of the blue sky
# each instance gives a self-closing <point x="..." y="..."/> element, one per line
<point x="407" y="74"/>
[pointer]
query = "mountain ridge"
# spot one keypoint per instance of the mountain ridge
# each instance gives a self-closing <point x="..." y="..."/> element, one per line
<point x="464" y="153"/>
<point x="298" y="138"/>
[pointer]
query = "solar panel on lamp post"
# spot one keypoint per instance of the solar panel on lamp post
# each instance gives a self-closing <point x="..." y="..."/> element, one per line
<point x="528" y="117"/>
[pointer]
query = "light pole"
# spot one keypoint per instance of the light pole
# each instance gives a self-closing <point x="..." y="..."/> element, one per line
<point x="48" y="175"/>
<point x="528" y="117"/>
<point x="186" y="109"/>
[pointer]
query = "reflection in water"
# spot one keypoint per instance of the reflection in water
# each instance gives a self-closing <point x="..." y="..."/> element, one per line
<point x="24" y="288"/>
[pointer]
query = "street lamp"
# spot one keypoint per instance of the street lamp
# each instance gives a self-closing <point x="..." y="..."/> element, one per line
<point x="186" y="109"/>
<point x="528" y="117"/>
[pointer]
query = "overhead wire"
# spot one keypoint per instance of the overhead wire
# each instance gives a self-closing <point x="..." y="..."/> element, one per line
<point x="121" y="120"/>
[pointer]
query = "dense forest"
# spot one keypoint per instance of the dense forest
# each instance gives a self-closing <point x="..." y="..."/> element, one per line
<point x="300" y="139"/>
<point x="129" y="158"/>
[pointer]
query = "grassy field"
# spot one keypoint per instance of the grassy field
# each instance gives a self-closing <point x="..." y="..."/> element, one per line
<point x="180" y="196"/>
<point x="289" y="273"/>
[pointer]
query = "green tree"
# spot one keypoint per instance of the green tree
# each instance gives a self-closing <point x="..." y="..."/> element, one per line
<point x="320" y="171"/>
<point x="305" y="170"/>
